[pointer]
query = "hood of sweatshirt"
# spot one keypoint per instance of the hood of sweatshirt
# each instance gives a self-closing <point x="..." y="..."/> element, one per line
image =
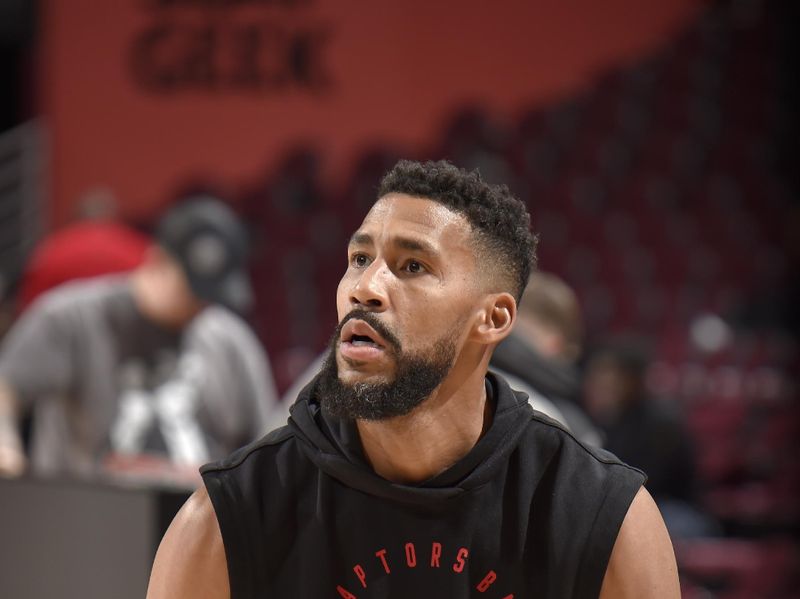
<point x="335" y="447"/>
<point x="549" y="377"/>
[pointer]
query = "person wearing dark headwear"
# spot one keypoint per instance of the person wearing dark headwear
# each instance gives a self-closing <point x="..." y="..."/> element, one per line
<point x="151" y="372"/>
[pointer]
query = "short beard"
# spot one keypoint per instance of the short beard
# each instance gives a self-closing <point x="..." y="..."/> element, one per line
<point x="416" y="379"/>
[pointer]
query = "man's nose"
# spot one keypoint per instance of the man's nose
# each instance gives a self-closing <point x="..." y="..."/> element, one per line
<point x="370" y="287"/>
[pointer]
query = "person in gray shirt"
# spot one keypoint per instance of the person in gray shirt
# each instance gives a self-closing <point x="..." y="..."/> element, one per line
<point x="150" y="372"/>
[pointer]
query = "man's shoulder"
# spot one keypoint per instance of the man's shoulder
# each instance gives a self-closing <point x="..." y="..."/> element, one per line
<point x="81" y="294"/>
<point x="256" y="455"/>
<point x="191" y="557"/>
<point x="75" y="306"/>
<point x="544" y="434"/>
<point x="272" y="471"/>
<point x="220" y="322"/>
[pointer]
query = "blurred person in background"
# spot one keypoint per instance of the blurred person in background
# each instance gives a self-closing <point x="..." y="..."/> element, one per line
<point x="95" y="243"/>
<point x="645" y="432"/>
<point x="149" y="373"/>
<point x="539" y="356"/>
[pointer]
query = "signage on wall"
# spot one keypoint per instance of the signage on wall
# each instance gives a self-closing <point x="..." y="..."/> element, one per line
<point x="142" y="95"/>
<point x="219" y="46"/>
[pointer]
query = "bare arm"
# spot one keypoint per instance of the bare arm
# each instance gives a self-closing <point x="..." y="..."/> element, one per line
<point x="190" y="563"/>
<point x="12" y="455"/>
<point x="642" y="563"/>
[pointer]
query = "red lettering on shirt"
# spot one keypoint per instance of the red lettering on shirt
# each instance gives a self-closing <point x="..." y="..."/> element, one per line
<point x="461" y="557"/>
<point x="487" y="581"/>
<point x="436" y="553"/>
<point x="362" y="576"/>
<point x="411" y="555"/>
<point x="410" y="549"/>
<point x="345" y="594"/>
<point x="382" y="555"/>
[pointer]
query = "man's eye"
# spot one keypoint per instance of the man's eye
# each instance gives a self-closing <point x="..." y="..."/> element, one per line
<point x="414" y="267"/>
<point x="359" y="260"/>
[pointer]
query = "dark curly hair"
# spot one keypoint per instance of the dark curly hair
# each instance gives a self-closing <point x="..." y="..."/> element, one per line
<point x="500" y="221"/>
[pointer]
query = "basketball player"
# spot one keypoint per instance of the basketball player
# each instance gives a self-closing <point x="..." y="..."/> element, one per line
<point x="408" y="470"/>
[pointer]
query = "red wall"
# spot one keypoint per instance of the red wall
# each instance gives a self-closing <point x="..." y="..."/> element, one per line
<point x="140" y="95"/>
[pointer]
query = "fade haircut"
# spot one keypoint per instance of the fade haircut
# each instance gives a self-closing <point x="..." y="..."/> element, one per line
<point x="500" y="222"/>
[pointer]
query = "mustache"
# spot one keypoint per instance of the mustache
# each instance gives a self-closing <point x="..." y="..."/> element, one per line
<point x="373" y="321"/>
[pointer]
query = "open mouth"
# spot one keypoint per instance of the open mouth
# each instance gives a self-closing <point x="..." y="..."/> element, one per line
<point x="359" y="341"/>
<point x="363" y="341"/>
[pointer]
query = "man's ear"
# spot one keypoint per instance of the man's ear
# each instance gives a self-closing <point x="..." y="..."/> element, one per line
<point x="496" y="319"/>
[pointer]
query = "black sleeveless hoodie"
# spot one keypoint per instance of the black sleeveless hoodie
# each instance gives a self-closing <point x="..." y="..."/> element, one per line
<point x="529" y="512"/>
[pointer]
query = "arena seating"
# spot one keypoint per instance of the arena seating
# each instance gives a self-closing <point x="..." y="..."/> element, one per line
<point x="657" y="198"/>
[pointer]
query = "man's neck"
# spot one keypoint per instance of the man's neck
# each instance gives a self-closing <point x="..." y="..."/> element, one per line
<point x="433" y="437"/>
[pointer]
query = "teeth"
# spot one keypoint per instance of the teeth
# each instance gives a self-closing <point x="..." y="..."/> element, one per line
<point x="360" y="343"/>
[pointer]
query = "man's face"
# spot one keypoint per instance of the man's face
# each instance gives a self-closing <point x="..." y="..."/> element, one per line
<point x="177" y="303"/>
<point x="404" y="305"/>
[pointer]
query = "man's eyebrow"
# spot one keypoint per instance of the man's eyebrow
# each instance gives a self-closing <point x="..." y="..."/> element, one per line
<point x="406" y="243"/>
<point x="359" y="238"/>
<point x="415" y="245"/>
